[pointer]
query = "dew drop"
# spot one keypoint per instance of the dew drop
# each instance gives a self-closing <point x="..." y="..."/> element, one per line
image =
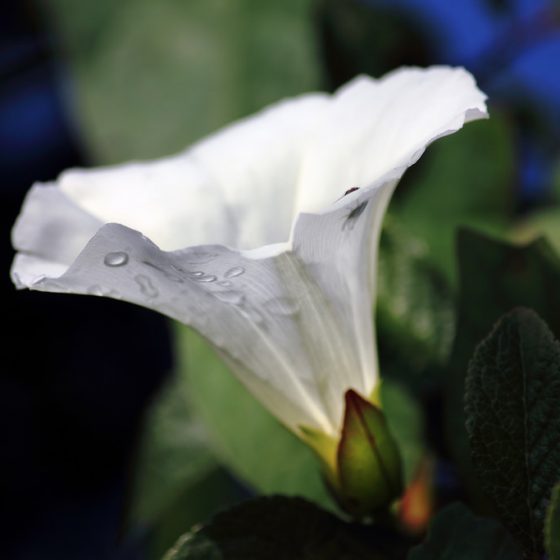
<point x="225" y="283"/>
<point x="146" y="286"/>
<point x="230" y="296"/>
<point x="282" y="306"/>
<point x="206" y="278"/>
<point x="235" y="271"/>
<point x="118" y="258"/>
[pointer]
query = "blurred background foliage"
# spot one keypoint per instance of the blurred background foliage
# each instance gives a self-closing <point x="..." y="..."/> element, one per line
<point x="152" y="77"/>
<point x="139" y="79"/>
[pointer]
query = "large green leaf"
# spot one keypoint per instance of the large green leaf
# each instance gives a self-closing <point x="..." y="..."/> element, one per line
<point x="463" y="180"/>
<point x="552" y="525"/>
<point x="415" y="311"/>
<point x="173" y="455"/>
<point x="152" y="77"/>
<point x="406" y="423"/>
<point x="258" y="449"/>
<point x="456" y="534"/>
<point x="276" y="528"/>
<point x="494" y="277"/>
<point x="177" y="481"/>
<point x="513" y="421"/>
<point x="192" y="506"/>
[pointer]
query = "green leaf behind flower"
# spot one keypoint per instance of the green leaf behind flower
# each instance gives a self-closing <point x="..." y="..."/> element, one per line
<point x="415" y="312"/>
<point x="462" y="180"/>
<point x="457" y="534"/>
<point x="177" y="480"/>
<point x="513" y="420"/>
<point x="173" y="454"/>
<point x="406" y="423"/>
<point x="152" y="77"/>
<point x="245" y="437"/>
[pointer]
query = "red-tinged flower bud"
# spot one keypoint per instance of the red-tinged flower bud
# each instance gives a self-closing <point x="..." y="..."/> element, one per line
<point x="363" y="469"/>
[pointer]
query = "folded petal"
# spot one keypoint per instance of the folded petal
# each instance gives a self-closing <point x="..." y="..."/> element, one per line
<point x="375" y="126"/>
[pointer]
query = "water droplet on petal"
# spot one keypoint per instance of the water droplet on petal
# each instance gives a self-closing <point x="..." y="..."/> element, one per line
<point x="235" y="271"/>
<point x="230" y="296"/>
<point x="206" y="278"/>
<point x="282" y="306"/>
<point x="118" y="258"/>
<point x="225" y="283"/>
<point x="146" y="286"/>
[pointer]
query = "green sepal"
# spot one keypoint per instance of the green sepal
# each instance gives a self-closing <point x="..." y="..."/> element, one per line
<point x="552" y="525"/>
<point x="368" y="460"/>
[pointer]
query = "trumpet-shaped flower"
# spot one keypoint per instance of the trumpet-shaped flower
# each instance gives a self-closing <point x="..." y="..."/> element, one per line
<point x="263" y="237"/>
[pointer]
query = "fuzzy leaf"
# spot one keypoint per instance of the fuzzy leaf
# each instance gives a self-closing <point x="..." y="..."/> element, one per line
<point x="276" y="528"/>
<point x="495" y="277"/>
<point x="513" y="421"/>
<point x="552" y="526"/>
<point x="456" y="534"/>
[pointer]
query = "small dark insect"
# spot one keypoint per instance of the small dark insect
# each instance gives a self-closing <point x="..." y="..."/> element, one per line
<point x="353" y="189"/>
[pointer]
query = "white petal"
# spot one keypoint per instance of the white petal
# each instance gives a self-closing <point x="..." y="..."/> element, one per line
<point x="239" y="302"/>
<point x="294" y="325"/>
<point x="375" y="126"/>
<point x="51" y="226"/>
<point x="222" y="190"/>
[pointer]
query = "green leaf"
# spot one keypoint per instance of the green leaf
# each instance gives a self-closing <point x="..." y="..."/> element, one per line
<point x="173" y="456"/>
<point x="415" y="311"/>
<point x="177" y="479"/>
<point x="152" y="77"/>
<point x="246" y="438"/>
<point x="192" y="506"/>
<point x="544" y="222"/>
<point x="406" y="423"/>
<point x="464" y="180"/>
<point x="276" y="528"/>
<point x="513" y="421"/>
<point x="552" y="525"/>
<point x="494" y="278"/>
<point x="456" y="534"/>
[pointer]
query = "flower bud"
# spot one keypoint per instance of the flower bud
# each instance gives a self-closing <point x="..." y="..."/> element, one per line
<point x="363" y="469"/>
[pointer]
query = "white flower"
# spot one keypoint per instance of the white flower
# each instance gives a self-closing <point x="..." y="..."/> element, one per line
<point x="248" y="236"/>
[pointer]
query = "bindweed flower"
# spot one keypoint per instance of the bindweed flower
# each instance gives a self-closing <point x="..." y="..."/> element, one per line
<point x="263" y="237"/>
